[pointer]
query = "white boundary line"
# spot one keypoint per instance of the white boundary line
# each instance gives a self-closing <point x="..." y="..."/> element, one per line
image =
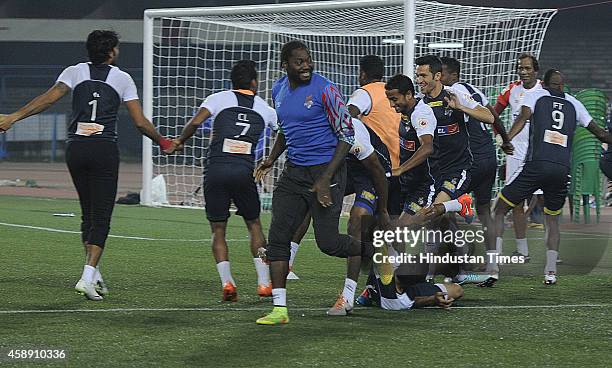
<point x="121" y="236"/>
<point x="590" y="236"/>
<point x="255" y="309"/>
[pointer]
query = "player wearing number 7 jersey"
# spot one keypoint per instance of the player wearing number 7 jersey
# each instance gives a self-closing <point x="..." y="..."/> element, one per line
<point x="554" y="116"/>
<point x="239" y="118"/>
<point x="98" y="89"/>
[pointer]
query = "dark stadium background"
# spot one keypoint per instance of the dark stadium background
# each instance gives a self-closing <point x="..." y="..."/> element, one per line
<point x="577" y="42"/>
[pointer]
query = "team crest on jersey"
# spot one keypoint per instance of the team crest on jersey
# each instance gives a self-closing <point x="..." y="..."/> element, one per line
<point x="450" y="186"/>
<point x="422" y="122"/>
<point x="308" y="102"/>
<point x="356" y="150"/>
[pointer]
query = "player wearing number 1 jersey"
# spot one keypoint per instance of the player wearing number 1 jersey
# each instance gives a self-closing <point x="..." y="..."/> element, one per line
<point x="98" y="89"/>
<point x="554" y="116"/>
<point x="239" y="118"/>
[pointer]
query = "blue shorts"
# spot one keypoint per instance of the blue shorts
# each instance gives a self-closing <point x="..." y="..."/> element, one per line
<point x="361" y="185"/>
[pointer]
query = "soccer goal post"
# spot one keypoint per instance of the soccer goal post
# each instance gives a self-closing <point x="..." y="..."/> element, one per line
<point x="188" y="54"/>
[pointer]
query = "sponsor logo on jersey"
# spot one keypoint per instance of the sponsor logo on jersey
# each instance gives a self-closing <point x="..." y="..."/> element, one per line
<point x="407" y="145"/>
<point x="553" y="137"/>
<point x="447" y="129"/>
<point x="435" y="103"/>
<point x="308" y="102"/>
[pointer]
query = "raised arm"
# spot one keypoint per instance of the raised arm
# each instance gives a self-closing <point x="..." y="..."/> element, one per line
<point x="476" y="111"/>
<point x="37" y="105"/>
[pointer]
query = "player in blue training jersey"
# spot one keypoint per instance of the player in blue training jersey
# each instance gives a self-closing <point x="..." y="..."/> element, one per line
<point x="239" y="118"/>
<point x="98" y="89"/>
<point x="554" y="116"/>
<point x="317" y="132"/>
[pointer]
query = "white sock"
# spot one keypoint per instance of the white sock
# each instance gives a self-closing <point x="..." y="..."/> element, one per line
<point x="521" y="246"/>
<point x="223" y="268"/>
<point x="263" y="272"/>
<point x="492" y="261"/>
<point x="88" y="274"/>
<point x="551" y="261"/>
<point x="97" y="275"/>
<point x="294" y="248"/>
<point x="349" y="291"/>
<point x="452" y="206"/>
<point x="279" y="297"/>
<point x="499" y="242"/>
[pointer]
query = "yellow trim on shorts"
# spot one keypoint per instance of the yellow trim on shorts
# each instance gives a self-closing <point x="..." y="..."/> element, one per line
<point x="501" y="196"/>
<point x="552" y="213"/>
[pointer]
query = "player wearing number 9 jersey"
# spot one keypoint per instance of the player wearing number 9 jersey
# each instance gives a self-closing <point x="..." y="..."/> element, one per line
<point x="554" y="116"/>
<point x="239" y="118"/>
<point x="98" y="88"/>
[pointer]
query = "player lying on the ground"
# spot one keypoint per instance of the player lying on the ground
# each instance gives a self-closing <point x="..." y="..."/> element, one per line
<point x="414" y="222"/>
<point x="407" y="291"/>
<point x="239" y="118"/>
<point x="554" y="116"/>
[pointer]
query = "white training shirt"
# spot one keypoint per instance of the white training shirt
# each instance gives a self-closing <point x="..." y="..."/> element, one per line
<point x="220" y="101"/>
<point x="119" y="80"/>
<point x="362" y="147"/>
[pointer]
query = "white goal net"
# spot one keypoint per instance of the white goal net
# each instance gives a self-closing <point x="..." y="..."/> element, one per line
<point x="189" y="54"/>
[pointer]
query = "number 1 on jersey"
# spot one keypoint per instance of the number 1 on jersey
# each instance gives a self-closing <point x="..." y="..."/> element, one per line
<point x="94" y="109"/>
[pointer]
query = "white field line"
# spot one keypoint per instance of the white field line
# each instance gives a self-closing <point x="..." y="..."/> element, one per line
<point x="117" y="236"/>
<point x="255" y="309"/>
<point x="580" y="235"/>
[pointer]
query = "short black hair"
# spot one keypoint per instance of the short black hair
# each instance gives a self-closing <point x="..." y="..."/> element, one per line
<point x="289" y="47"/>
<point x="402" y="83"/>
<point x="243" y="72"/>
<point x="373" y="66"/>
<point x="534" y="61"/>
<point x="100" y="43"/>
<point x="549" y="73"/>
<point x="434" y="62"/>
<point x="452" y="65"/>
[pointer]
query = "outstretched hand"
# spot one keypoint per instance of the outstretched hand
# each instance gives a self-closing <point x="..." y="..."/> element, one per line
<point x="5" y="123"/>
